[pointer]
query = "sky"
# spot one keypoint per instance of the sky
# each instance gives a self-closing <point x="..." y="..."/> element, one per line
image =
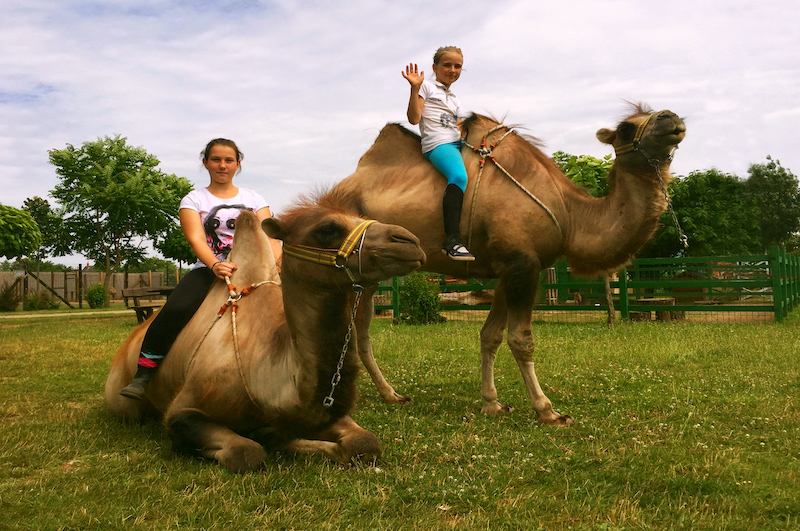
<point x="304" y="87"/>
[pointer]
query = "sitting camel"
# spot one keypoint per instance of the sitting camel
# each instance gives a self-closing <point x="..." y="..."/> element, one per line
<point x="279" y="372"/>
<point x="520" y="215"/>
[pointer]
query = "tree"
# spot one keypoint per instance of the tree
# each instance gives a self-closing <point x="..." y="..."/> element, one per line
<point x="586" y="171"/>
<point x="775" y="190"/>
<point x="54" y="240"/>
<point x="714" y="212"/>
<point x="19" y="233"/>
<point x="173" y="244"/>
<point x="114" y="199"/>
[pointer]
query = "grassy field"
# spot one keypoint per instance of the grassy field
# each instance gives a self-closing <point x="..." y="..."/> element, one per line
<point x="678" y="426"/>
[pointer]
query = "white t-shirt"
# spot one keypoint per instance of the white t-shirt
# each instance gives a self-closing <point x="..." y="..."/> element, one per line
<point x="440" y="114"/>
<point x="219" y="216"/>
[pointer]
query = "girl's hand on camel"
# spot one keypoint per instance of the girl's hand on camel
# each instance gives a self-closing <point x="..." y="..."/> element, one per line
<point x="224" y="269"/>
<point x="412" y="76"/>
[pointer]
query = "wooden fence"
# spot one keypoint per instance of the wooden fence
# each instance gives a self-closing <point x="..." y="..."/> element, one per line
<point x="666" y="287"/>
<point x="69" y="286"/>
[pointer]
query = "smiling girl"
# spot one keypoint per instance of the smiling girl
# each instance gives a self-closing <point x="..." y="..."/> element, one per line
<point x="436" y="109"/>
<point x="208" y="220"/>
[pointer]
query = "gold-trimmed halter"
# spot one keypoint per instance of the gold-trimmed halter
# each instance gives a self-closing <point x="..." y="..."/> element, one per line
<point x="334" y="257"/>
<point x="633" y="146"/>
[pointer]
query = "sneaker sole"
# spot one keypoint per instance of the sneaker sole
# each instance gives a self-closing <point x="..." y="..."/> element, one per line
<point x="459" y="258"/>
<point x="130" y="394"/>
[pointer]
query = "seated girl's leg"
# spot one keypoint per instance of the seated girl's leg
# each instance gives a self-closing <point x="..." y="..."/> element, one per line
<point x="167" y="324"/>
<point x="447" y="159"/>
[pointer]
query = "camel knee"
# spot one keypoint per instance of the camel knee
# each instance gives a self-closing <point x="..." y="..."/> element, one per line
<point x="242" y="456"/>
<point x="522" y="346"/>
<point x="360" y="445"/>
<point x="491" y="339"/>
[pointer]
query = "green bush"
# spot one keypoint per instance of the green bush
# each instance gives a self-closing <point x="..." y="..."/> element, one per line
<point x="419" y="300"/>
<point x="39" y="300"/>
<point x="9" y="299"/>
<point x="98" y="296"/>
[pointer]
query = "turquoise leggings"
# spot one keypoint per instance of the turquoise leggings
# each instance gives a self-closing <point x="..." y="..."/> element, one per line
<point x="447" y="159"/>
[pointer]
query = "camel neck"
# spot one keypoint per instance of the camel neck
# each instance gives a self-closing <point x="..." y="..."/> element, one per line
<point x="607" y="232"/>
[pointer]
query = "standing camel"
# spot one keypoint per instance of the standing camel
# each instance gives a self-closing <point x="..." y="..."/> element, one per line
<point x="516" y="229"/>
<point x="268" y="381"/>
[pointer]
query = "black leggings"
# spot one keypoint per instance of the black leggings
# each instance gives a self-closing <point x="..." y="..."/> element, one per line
<point x="181" y="305"/>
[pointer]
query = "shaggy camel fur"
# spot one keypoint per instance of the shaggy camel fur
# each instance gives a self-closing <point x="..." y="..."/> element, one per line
<point x="291" y="334"/>
<point x="513" y="236"/>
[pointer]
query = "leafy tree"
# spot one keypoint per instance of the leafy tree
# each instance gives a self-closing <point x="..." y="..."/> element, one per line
<point x="19" y="233"/>
<point x="586" y="171"/>
<point x="774" y="189"/>
<point x="175" y="245"/>
<point x="714" y="212"/>
<point x="114" y="199"/>
<point x="54" y="240"/>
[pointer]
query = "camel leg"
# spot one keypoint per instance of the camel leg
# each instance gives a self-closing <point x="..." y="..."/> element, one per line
<point x="521" y="343"/>
<point x="344" y="442"/>
<point x="491" y="337"/>
<point x="363" y="320"/>
<point x="192" y="431"/>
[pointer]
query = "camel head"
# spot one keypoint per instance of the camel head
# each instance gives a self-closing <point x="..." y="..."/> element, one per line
<point x="329" y="247"/>
<point x="645" y="137"/>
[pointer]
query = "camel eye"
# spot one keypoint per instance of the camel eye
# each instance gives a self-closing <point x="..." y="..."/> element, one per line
<point x="626" y="130"/>
<point x="329" y="234"/>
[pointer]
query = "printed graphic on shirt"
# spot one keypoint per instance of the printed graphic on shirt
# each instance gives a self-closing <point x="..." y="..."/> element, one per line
<point x="220" y="226"/>
<point x="448" y="120"/>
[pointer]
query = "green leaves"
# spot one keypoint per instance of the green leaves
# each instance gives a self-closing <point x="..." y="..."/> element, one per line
<point x="586" y="171"/>
<point x="114" y="199"/>
<point x="19" y="233"/>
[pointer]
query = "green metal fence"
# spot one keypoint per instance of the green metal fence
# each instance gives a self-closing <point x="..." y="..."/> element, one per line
<point x="668" y="287"/>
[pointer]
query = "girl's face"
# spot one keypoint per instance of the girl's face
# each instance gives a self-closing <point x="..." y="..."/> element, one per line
<point x="222" y="164"/>
<point x="448" y="69"/>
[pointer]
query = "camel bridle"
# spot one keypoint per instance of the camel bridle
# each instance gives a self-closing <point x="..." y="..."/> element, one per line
<point x="338" y="258"/>
<point x="335" y="257"/>
<point x="636" y="145"/>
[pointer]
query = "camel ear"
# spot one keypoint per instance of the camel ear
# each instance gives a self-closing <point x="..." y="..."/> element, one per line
<point x="273" y="228"/>
<point x="606" y="136"/>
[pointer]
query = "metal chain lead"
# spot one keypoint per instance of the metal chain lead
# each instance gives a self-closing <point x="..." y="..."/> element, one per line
<point x="337" y="376"/>
<point x="655" y="163"/>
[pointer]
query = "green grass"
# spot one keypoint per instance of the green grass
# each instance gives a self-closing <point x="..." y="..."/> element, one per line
<point x="678" y="426"/>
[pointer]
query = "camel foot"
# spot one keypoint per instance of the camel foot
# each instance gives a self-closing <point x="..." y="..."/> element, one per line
<point x="394" y="398"/>
<point x="241" y="458"/>
<point x="362" y="448"/>
<point x="496" y="408"/>
<point x="561" y="421"/>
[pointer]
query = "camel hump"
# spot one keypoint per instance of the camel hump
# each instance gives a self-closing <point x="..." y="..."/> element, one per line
<point x="251" y="252"/>
<point x="394" y="145"/>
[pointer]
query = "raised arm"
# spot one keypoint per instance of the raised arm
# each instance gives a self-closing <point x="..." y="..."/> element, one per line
<point x="415" y="101"/>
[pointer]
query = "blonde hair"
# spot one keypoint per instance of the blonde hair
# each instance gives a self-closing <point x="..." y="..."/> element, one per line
<point x="443" y="50"/>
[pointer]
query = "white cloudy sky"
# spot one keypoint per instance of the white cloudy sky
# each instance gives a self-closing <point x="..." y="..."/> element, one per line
<point x="305" y="86"/>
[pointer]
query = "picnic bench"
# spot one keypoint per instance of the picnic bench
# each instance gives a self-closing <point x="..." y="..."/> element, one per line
<point x="144" y="301"/>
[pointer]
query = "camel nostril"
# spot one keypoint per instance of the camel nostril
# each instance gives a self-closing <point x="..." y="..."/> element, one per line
<point x="403" y="238"/>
